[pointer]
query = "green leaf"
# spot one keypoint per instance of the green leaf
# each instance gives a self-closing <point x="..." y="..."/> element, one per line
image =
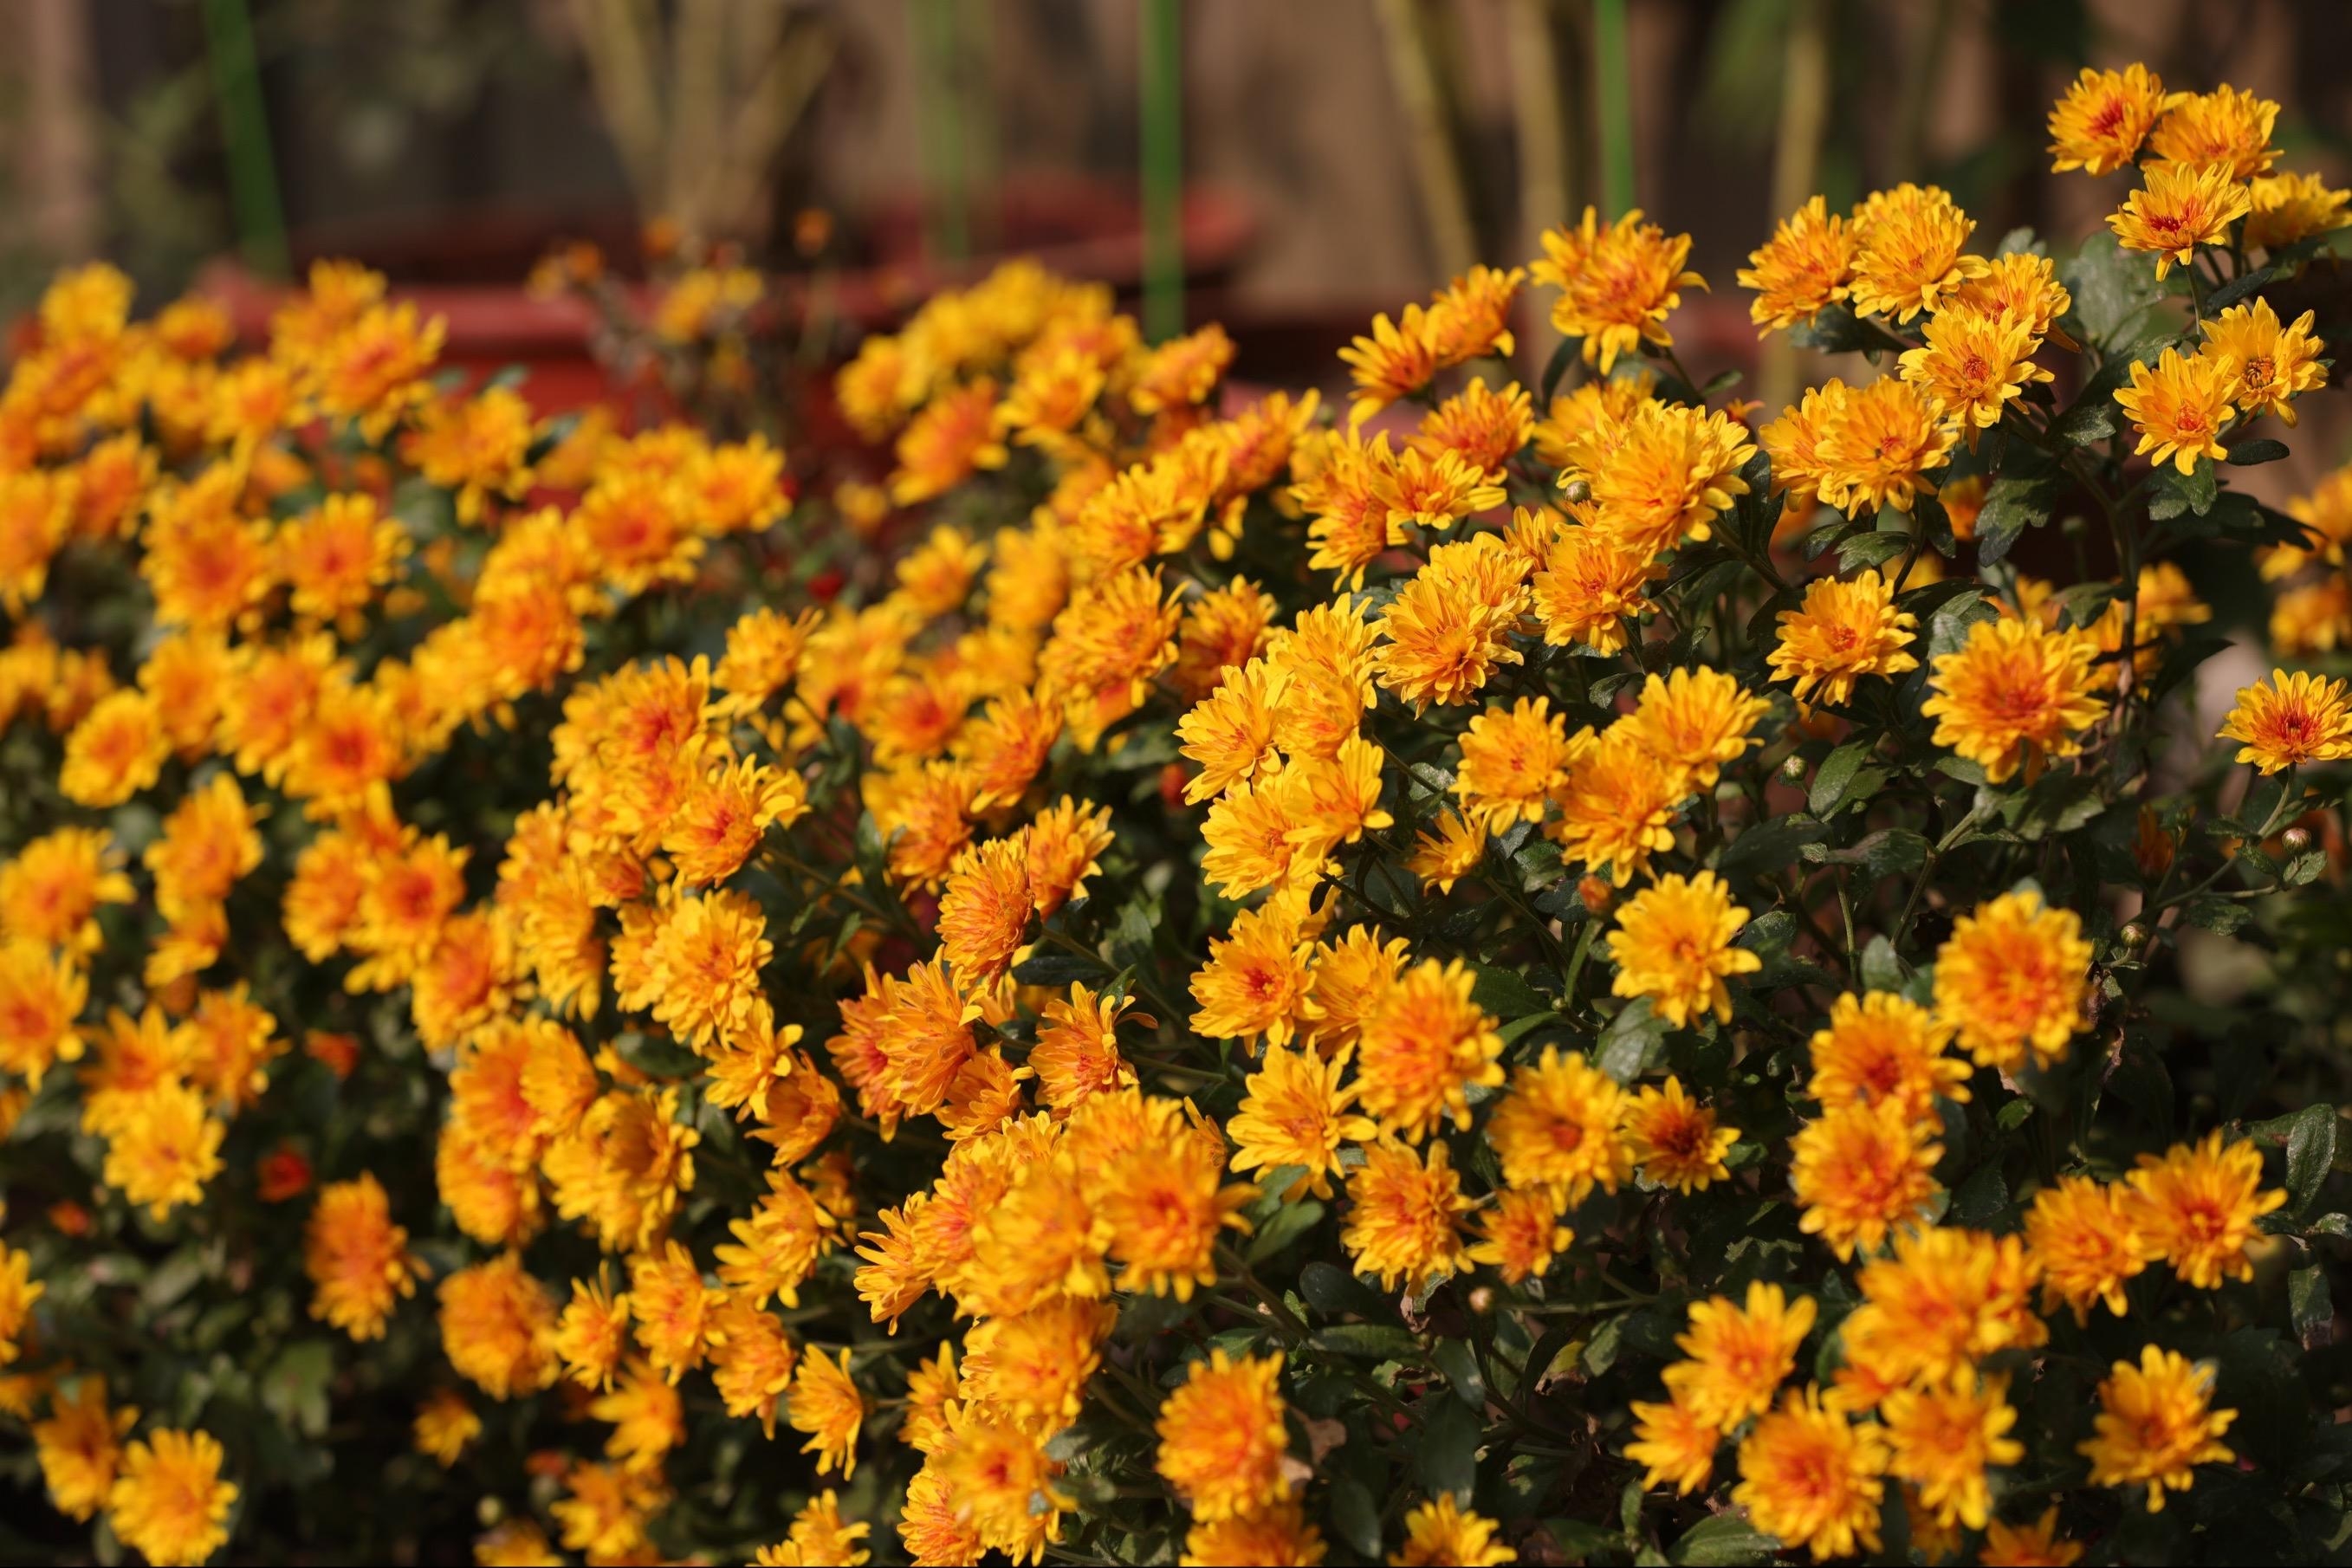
<point x="1865" y="549"/>
<point x="2237" y="288"/>
<point x="1289" y="1223"/>
<point x="2091" y="417"/>
<point x="1577" y="1539"/>
<point x="2223" y="917"/>
<point x="1632" y="1043"/>
<point x="1374" y="1342"/>
<point x="1334" y="1292"/>
<point x="2263" y="449"/>
<point x="1601" y="1350"/>
<point x="1354" y="1512"/>
<point x="295" y="1389"/>
<point x="1978" y="1200"/>
<point x="1768" y="845"/>
<point x="2304" y="868"/>
<point x="1504" y="994"/>
<point x="2111" y="287"/>
<point x="1725" y="1539"/>
<point x="1554" y="368"/>
<point x="2175" y="492"/>
<point x="2310" y="1152"/>
<point x="2014" y="503"/>
<point x="1835" y="330"/>
<point x="1057" y="966"/>
<point x="1833" y="779"/>
<point x="1882" y="970"/>
<point x="1455" y="1359"/>
<point x="2310" y="1308"/>
<point x="1448" y="1461"/>
<point x="1885" y="853"/>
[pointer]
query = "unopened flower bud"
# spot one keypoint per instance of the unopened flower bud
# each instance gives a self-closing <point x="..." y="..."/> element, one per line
<point x="1792" y="770"/>
<point x="2133" y="936"/>
<point x="2296" y="840"/>
<point x="1482" y="1299"/>
<point x="1597" y="895"/>
<point x="1577" y="492"/>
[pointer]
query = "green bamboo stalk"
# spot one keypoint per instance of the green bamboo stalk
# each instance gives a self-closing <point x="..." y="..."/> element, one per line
<point x="1162" y="138"/>
<point x="1421" y="87"/>
<point x="244" y="132"/>
<point x="1796" y="165"/>
<point x="1613" y="94"/>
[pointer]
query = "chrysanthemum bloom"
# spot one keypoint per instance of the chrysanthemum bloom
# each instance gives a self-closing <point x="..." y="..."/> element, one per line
<point x="1255" y="980"/>
<point x="338" y="558"/>
<point x="1521" y="1233"/>
<point x="1973" y="365"/>
<point x="1674" y="945"/>
<point x="42" y="993"/>
<point x="2274" y="364"/>
<point x="1911" y="255"/>
<point x="606" y="1509"/>
<point x="1675" y="1139"/>
<point x="1041" y="1238"/>
<point x="1076" y="1054"/>
<point x="819" y="1535"/>
<point x="2156" y="1424"/>
<point x="2288" y="207"/>
<point x="1231" y="732"/>
<point x="1435" y="491"/>
<point x="1471" y="316"/>
<point x="1116" y="635"/>
<point x="1618" y="281"/>
<point x="648" y="1417"/>
<point x="2098" y="125"/>
<point x="1448" y="629"/>
<point x="1945" y="1298"/>
<point x="1066" y="842"/>
<point x="1511" y="759"/>
<point x="35" y="517"/>
<point x="1811" y="1477"/>
<point x="2010" y="977"/>
<point x="2084" y="1245"/>
<point x="1616" y="803"/>
<point x="2229" y="125"/>
<point x="1943" y="1435"/>
<point x="1591" y="585"/>
<point x="1439" y="1533"/>
<point x="477" y="446"/>
<point x="1000" y="1479"/>
<point x="356" y="1258"/>
<point x="498" y="1327"/>
<point x="169" y="1503"/>
<point x="951" y="439"/>
<point x="1674" y="470"/>
<point x="1860" y="1171"/>
<point x="827" y="1407"/>
<point x="2015" y="696"/>
<point x="2181" y="207"/>
<point x="2181" y="407"/>
<point x="1443" y="857"/>
<point x="724" y="815"/>
<point x="18" y="1291"/>
<point x="2034" y="1545"/>
<point x="591" y="1336"/>
<point x="164" y="1149"/>
<point x="1163" y="1206"/>
<point x="1351" y="977"/>
<point x="189" y="674"/>
<point x="2195" y="1208"/>
<point x="1796" y="440"/>
<point x="445" y="1425"/>
<point x="1483" y="429"/>
<point x="935" y="1532"/>
<point x="1222" y="1439"/>
<point x="115" y="752"/>
<point x="1841" y="632"/>
<point x="777" y="1245"/>
<point x="81" y="1445"/>
<point x="2021" y="288"/>
<point x="1294" y="1112"/>
<point x="1882" y="1047"/>
<point x="1557" y="1128"/>
<point x="1675" y="1443"/>
<point x="1738" y="1356"/>
<point x="1879" y="443"/>
<point x="1404" y="1217"/>
<point x="1395" y="361"/>
<point x="1806" y="266"/>
<point x="2290" y="721"/>
<point x="1422" y="1047"/>
<point x="1334" y="801"/>
<point x="1695" y="720"/>
<point x="751" y="1361"/>
<point x="1034" y="1365"/>
<point x="1278" y="1535"/>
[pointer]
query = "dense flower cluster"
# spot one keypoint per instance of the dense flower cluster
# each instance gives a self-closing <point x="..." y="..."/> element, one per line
<point x="1522" y="971"/>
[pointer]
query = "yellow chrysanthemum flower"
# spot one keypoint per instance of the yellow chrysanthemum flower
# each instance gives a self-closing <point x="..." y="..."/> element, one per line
<point x="2016" y="695"/>
<point x="1943" y="1438"/>
<point x="2009" y="979"/>
<point x="1738" y="1355"/>
<point x="1673" y="944"/>
<point x="1675" y="1140"/>
<point x="1861" y="1170"/>
<point x="1810" y="1477"/>
<point x="2273" y="363"/>
<point x="1806" y="266"/>
<point x="2182" y="206"/>
<point x="2156" y="1424"/>
<point x="2290" y="720"/>
<point x="2098" y="125"/>
<point x="169" y="1503"/>
<point x="2195" y="1207"/>
<point x="1221" y="1437"/>
<point x="1557" y="1127"/>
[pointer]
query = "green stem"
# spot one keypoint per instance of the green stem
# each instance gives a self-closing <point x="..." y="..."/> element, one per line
<point x="1613" y="94"/>
<point x="1163" y="169"/>
<point x="947" y="227"/>
<point x="244" y="132"/>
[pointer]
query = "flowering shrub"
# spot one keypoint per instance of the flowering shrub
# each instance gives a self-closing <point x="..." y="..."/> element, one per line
<point x="1545" y="974"/>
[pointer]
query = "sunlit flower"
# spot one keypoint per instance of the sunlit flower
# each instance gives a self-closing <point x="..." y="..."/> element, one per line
<point x="2156" y="1424"/>
<point x="2098" y="125"/>
<point x="1738" y="1355"/>
<point x="1618" y="281"/>
<point x="1911" y="255"/>
<point x="1879" y="443"/>
<point x="1973" y="365"/>
<point x="1881" y="1048"/>
<point x="1222" y="1438"/>
<point x="2015" y="694"/>
<point x="2010" y="978"/>
<point x="1860" y="1171"/>
<point x="2274" y="364"/>
<point x="826" y="1405"/>
<point x="1675" y="1140"/>
<point x="1520" y="1233"/>
<point x="1404" y="1216"/>
<point x="1675" y="1443"/>
<point x="168" y="1503"/>
<point x="1278" y="1535"/>
<point x="1422" y="1047"/>
<point x="1806" y="266"/>
<point x="1294" y="1112"/>
<point x="2034" y="1545"/>
<point x="1812" y="1479"/>
<point x="1591" y="585"/>
<point x="1840" y="632"/>
<point x="1440" y="1533"/>
<point x="358" y="1260"/>
<point x="2289" y="207"/>
<point x="1944" y="1436"/>
<point x="1557" y="1126"/>
<point x="2181" y="207"/>
<point x="1673" y="944"/>
<point x="2195" y="1207"/>
<point x="2228" y="126"/>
